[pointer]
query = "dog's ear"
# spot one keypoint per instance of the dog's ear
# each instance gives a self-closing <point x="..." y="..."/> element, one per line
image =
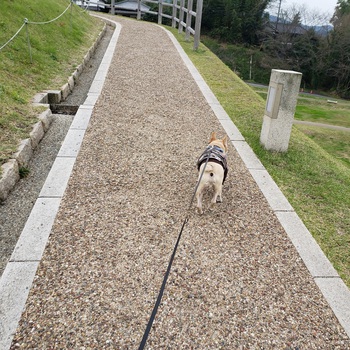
<point x="212" y="137"/>
<point x="224" y="141"/>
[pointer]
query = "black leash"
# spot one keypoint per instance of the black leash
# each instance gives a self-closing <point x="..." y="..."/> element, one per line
<point x="162" y="288"/>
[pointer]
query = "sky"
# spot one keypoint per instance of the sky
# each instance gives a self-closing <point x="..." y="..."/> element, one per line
<point x="321" y="6"/>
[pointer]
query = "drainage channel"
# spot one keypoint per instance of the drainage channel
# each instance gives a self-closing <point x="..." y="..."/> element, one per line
<point x="15" y="211"/>
<point x="64" y="109"/>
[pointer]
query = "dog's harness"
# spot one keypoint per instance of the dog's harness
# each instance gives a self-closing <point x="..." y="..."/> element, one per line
<point x="215" y="154"/>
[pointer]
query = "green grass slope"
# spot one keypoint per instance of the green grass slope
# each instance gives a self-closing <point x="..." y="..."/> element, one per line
<point x="57" y="48"/>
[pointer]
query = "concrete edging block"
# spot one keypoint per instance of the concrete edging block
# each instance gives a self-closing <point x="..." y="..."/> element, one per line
<point x="72" y="142"/>
<point x="96" y="86"/>
<point x="41" y="97"/>
<point x="65" y="91"/>
<point x="37" y="134"/>
<point x="87" y="58"/>
<point x="10" y="176"/>
<point x="31" y="244"/>
<point x="103" y="69"/>
<point x="220" y="112"/>
<point x="272" y="193"/>
<point x="54" y="96"/>
<point x="337" y="295"/>
<point x="82" y="118"/>
<point x="71" y="83"/>
<point x="307" y="247"/>
<point x="58" y="177"/>
<point x="208" y="94"/>
<point x="15" y="284"/>
<point x="91" y="99"/>
<point x="24" y="153"/>
<point x="46" y="118"/>
<point x="78" y="71"/>
<point x="231" y="130"/>
<point x="248" y="156"/>
<point x="76" y="75"/>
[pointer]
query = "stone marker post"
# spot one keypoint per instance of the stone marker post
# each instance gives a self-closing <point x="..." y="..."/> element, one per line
<point x="280" y="108"/>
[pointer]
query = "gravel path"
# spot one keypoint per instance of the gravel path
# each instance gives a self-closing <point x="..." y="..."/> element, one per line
<point x="236" y="283"/>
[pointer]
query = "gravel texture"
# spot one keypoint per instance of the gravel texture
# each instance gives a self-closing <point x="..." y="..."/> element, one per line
<point x="237" y="282"/>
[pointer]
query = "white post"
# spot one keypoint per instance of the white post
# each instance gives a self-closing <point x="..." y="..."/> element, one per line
<point x="280" y="108"/>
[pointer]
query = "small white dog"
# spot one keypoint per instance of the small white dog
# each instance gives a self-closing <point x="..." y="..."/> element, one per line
<point x="215" y="170"/>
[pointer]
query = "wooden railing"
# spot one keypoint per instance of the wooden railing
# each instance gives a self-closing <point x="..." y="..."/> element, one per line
<point x="182" y="16"/>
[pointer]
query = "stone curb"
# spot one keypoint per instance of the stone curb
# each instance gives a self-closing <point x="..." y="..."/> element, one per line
<point x="10" y="170"/>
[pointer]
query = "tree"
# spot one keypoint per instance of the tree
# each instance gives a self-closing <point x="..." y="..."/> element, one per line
<point x="234" y="20"/>
<point x="213" y="14"/>
<point x="339" y="50"/>
<point x="301" y="43"/>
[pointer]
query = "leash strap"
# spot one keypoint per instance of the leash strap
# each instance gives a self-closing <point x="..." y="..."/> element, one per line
<point x="162" y="288"/>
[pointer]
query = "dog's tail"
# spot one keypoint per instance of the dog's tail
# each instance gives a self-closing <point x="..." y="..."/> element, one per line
<point x="209" y="169"/>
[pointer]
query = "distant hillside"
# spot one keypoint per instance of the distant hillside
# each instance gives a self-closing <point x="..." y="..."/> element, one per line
<point x="321" y="30"/>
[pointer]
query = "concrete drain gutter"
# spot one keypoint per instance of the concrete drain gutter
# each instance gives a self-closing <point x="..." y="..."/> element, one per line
<point x="52" y="101"/>
<point x="64" y="109"/>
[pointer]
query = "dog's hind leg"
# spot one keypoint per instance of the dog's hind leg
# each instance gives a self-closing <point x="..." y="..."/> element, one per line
<point x="217" y="198"/>
<point x="199" y="196"/>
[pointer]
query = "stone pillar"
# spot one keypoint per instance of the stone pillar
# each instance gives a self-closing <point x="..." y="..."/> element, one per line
<point x="280" y="108"/>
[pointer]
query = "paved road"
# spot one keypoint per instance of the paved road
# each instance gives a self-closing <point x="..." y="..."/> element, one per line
<point x="322" y="125"/>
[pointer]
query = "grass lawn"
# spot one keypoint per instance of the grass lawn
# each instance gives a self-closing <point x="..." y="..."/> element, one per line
<point x="57" y="49"/>
<point x="336" y="143"/>
<point x="318" y="110"/>
<point x="314" y="174"/>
